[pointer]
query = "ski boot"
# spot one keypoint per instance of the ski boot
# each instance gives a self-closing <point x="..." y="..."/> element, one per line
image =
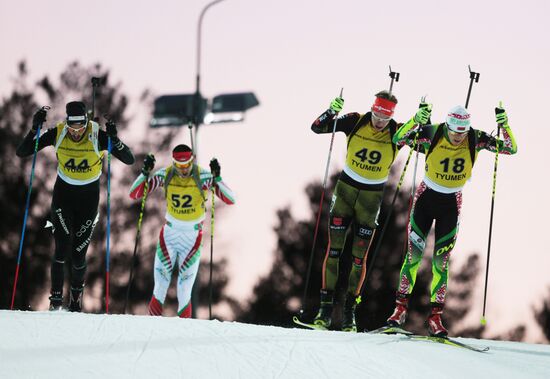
<point x="155" y="307"/>
<point x="348" y="319"/>
<point x="397" y="319"/>
<point x="324" y="317"/>
<point x="435" y="324"/>
<point x="75" y="301"/>
<point x="56" y="300"/>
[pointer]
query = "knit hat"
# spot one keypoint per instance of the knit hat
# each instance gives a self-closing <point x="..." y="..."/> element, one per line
<point x="458" y="119"/>
<point x="76" y="112"/>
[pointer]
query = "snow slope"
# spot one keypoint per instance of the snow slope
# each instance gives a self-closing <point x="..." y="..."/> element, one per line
<point x="63" y="345"/>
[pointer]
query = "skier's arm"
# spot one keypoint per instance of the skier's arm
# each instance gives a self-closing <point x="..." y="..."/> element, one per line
<point x="398" y="146"/>
<point x="325" y="122"/>
<point x="214" y="179"/>
<point x="506" y="146"/>
<point x="412" y="130"/>
<point x="407" y="133"/>
<point x="222" y="191"/>
<point x="155" y="181"/>
<point x="26" y="147"/>
<point x="119" y="149"/>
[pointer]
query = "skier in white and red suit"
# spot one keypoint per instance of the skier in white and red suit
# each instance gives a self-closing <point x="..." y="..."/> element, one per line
<point x="186" y="186"/>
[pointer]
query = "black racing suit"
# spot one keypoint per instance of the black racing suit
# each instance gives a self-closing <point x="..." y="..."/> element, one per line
<point x="74" y="209"/>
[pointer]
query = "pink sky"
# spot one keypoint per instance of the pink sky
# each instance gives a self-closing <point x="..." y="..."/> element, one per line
<point x="295" y="55"/>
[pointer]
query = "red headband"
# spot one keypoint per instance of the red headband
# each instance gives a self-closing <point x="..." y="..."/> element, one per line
<point x="183" y="156"/>
<point x="383" y="106"/>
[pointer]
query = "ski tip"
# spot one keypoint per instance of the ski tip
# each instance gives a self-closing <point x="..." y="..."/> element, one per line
<point x="299" y="322"/>
<point x="390" y="330"/>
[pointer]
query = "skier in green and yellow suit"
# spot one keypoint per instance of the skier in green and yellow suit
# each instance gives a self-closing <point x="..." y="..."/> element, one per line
<point x="357" y="196"/>
<point x="451" y="150"/>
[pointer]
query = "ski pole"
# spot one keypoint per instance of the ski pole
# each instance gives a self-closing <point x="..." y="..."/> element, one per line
<point x="387" y="221"/>
<point x="27" y="203"/>
<point x="413" y="190"/>
<point x="394" y="76"/>
<point x="96" y="82"/>
<point x="190" y="126"/>
<point x="308" y="275"/>
<point x="497" y="111"/>
<point x="474" y="76"/>
<point x="138" y="234"/>
<point x="108" y="249"/>
<point x="413" y="186"/>
<point x="211" y="254"/>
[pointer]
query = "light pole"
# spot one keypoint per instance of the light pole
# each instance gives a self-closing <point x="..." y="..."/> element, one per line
<point x="197" y="101"/>
<point x="198" y="114"/>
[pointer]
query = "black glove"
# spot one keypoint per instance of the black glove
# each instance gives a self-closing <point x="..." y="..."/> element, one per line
<point x="215" y="168"/>
<point x="38" y="118"/>
<point x="148" y="164"/>
<point x="110" y="128"/>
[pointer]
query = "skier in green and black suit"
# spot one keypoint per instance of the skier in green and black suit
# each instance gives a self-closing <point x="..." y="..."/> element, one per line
<point x="357" y="196"/>
<point x="451" y="150"/>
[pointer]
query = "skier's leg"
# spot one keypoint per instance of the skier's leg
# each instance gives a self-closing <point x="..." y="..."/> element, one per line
<point x="446" y="230"/>
<point x="367" y="208"/>
<point x="418" y="228"/>
<point x="82" y="239"/>
<point x="341" y="213"/>
<point x="85" y="220"/>
<point x="165" y="258"/>
<point x="188" y="261"/>
<point x="366" y="211"/>
<point x="61" y="216"/>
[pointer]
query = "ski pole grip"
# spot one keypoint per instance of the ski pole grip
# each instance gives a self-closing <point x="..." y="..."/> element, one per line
<point x="499" y="110"/>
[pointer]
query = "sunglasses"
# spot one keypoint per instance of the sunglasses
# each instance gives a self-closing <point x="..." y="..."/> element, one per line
<point x="183" y="166"/>
<point x="381" y="118"/>
<point x="76" y="127"/>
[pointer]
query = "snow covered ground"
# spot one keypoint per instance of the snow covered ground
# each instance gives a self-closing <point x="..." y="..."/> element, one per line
<point x="63" y="345"/>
